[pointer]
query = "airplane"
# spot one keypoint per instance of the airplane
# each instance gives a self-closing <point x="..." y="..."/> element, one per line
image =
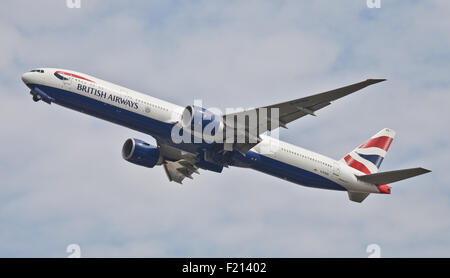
<point x="356" y="172"/>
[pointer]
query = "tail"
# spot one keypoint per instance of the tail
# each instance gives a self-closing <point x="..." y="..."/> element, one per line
<point x="367" y="158"/>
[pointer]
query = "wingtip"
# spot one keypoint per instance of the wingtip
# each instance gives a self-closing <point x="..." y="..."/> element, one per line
<point x="426" y="170"/>
<point x="373" y="81"/>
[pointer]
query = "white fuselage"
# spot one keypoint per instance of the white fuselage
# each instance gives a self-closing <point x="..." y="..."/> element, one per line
<point x="79" y="88"/>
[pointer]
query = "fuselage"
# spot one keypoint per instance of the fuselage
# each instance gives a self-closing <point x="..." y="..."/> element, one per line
<point x="156" y="117"/>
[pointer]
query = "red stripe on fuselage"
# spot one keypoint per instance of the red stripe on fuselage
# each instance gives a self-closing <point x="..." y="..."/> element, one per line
<point x="356" y="164"/>
<point x="382" y="142"/>
<point x="74" y="75"/>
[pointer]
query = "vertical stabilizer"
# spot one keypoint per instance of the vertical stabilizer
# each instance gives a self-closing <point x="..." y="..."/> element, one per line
<point x="367" y="157"/>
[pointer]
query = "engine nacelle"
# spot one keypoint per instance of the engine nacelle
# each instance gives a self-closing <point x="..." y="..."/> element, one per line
<point x="141" y="153"/>
<point x="199" y="119"/>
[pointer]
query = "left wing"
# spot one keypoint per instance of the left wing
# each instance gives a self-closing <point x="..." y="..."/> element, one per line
<point x="287" y="112"/>
<point x="297" y="108"/>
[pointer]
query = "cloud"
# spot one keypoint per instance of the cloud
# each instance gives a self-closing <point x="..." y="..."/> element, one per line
<point x="63" y="180"/>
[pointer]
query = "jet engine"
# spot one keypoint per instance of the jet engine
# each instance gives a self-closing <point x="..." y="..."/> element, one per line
<point x="201" y="120"/>
<point x="141" y="153"/>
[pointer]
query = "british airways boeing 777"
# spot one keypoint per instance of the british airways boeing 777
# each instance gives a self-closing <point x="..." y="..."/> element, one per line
<point x="184" y="146"/>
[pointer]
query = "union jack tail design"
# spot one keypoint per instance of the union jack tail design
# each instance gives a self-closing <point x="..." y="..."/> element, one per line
<point x="367" y="158"/>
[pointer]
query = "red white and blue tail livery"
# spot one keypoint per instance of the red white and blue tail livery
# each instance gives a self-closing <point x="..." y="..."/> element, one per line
<point x="357" y="173"/>
<point x="368" y="157"/>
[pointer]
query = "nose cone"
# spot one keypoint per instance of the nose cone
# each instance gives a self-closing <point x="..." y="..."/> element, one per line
<point x="26" y="77"/>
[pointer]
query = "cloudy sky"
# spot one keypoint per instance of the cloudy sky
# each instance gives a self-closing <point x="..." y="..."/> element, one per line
<point x="63" y="179"/>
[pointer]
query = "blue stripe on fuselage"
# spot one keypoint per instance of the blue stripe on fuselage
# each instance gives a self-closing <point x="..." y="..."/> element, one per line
<point x="107" y="111"/>
<point x="284" y="171"/>
<point x="162" y="131"/>
<point x="158" y="129"/>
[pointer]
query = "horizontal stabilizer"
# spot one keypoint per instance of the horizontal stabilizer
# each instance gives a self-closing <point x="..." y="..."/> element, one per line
<point x="392" y="176"/>
<point x="357" y="196"/>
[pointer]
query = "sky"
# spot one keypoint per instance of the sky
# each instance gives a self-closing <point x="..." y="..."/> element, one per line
<point x="63" y="180"/>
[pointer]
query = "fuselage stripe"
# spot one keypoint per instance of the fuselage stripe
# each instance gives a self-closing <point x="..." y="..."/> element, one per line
<point x="74" y="75"/>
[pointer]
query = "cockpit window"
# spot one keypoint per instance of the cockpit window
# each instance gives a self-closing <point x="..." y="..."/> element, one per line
<point x="38" y="70"/>
<point x="60" y="76"/>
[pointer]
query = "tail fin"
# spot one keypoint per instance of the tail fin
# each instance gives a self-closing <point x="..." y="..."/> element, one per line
<point x="367" y="157"/>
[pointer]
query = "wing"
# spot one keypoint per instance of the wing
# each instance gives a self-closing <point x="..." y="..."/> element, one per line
<point x="278" y="115"/>
<point x="297" y="108"/>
